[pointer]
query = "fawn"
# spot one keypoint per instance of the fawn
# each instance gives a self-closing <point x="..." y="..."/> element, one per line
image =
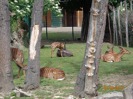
<point x="18" y="58"/>
<point x="52" y="73"/>
<point x="114" y="57"/>
<point x="55" y="45"/>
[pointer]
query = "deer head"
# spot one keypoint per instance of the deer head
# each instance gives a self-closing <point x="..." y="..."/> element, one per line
<point x="123" y="50"/>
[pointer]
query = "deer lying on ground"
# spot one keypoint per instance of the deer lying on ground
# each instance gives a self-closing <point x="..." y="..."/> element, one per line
<point x="114" y="57"/>
<point x="55" y="45"/>
<point x="18" y="58"/>
<point x="52" y="73"/>
<point x="109" y="51"/>
<point x="65" y="53"/>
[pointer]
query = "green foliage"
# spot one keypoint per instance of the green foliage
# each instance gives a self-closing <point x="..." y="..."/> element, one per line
<point x="21" y="8"/>
<point x="13" y="25"/>
<point x="53" y="6"/>
<point x="115" y="3"/>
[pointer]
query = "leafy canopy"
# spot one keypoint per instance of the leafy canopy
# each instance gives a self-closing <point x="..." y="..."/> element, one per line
<point x="23" y="8"/>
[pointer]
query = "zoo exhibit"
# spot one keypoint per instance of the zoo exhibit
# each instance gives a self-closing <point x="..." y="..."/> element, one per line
<point x="66" y="49"/>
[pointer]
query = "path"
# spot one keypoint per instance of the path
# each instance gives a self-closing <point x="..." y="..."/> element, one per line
<point x="62" y="29"/>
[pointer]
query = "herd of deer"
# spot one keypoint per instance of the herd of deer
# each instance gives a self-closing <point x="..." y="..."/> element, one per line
<point x="47" y="72"/>
<point x="111" y="56"/>
<point x="58" y="74"/>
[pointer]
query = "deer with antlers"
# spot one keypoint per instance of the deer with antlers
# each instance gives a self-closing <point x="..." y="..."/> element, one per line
<point x="111" y="56"/>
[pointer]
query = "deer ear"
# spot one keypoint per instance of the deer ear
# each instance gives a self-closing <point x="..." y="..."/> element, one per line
<point x="121" y="48"/>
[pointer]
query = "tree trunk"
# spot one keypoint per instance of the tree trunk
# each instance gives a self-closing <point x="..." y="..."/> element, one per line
<point x="33" y="72"/>
<point x="119" y="25"/>
<point x="87" y="81"/>
<point x="131" y="5"/>
<point x="126" y="24"/>
<point x="6" y="77"/>
<point x="100" y="34"/>
<point x="110" y="32"/>
<point x="115" y="37"/>
<point x="85" y="22"/>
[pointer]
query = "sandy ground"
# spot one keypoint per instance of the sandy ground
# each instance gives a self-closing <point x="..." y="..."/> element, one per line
<point x="117" y="80"/>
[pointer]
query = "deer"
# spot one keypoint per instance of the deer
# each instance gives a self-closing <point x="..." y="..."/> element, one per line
<point x="18" y="58"/>
<point x="52" y="73"/>
<point x="58" y="45"/>
<point x="109" y="51"/>
<point x="65" y="53"/>
<point x="115" y="57"/>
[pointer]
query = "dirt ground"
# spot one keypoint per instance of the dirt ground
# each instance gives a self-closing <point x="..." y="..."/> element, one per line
<point x="117" y="80"/>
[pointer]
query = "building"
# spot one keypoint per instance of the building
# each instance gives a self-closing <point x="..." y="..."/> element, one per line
<point x="65" y="21"/>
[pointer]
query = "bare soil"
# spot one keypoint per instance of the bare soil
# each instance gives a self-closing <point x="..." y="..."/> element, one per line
<point x="117" y="80"/>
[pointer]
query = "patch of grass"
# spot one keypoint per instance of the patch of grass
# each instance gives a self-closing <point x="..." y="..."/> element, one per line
<point x="71" y="67"/>
<point x="23" y="98"/>
<point x="60" y="36"/>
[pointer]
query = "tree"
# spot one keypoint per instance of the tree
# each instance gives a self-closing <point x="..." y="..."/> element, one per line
<point x="33" y="72"/>
<point x="87" y="81"/>
<point x="85" y="22"/>
<point x="6" y="77"/>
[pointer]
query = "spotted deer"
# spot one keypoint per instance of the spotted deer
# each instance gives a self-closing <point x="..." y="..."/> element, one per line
<point x="115" y="57"/>
<point x="18" y="58"/>
<point x="52" y="73"/>
<point x="58" y="45"/>
<point x="109" y="51"/>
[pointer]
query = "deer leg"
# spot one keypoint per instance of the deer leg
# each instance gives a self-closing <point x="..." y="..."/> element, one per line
<point x="52" y="50"/>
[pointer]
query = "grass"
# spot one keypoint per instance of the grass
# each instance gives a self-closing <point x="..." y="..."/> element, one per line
<point x="71" y="65"/>
<point x="60" y="36"/>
